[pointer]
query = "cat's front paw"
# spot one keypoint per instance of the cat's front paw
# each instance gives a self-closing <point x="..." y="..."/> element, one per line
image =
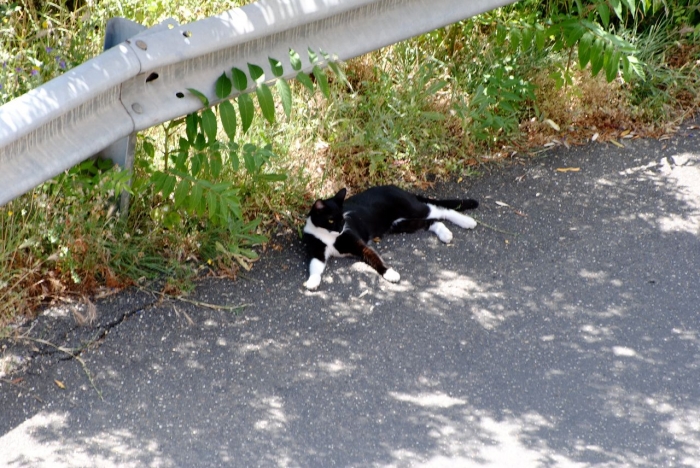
<point x="313" y="282"/>
<point x="392" y="276"/>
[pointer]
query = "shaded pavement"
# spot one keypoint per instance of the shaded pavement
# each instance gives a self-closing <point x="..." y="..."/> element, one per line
<point x="561" y="332"/>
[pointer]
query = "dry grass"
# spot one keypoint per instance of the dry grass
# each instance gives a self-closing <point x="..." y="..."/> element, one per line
<point x="589" y="106"/>
<point x="595" y="109"/>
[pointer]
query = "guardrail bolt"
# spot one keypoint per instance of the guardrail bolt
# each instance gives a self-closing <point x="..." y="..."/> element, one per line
<point x="137" y="108"/>
<point x="141" y="45"/>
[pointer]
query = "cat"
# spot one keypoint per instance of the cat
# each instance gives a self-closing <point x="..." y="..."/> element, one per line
<point x="337" y="227"/>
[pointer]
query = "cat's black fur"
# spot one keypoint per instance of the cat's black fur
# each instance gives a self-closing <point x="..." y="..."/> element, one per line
<point x="340" y="227"/>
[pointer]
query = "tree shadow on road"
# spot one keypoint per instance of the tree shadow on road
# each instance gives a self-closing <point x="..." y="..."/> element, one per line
<point x="573" y="343"/>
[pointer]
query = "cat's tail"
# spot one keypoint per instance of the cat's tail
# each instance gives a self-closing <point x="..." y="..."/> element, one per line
<point x="456" y="204"/>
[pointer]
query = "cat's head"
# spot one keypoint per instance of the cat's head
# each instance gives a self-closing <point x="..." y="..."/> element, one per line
<point x="328" y="214"/>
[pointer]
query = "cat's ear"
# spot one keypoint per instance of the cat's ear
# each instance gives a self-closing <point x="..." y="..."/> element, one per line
<point x="319" y="205"/>
<point x="340" y="196"/>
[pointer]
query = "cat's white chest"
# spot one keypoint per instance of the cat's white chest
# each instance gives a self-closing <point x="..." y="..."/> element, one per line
<point x="325" y="236"/>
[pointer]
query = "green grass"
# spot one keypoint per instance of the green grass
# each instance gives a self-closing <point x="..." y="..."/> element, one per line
<point x="444" y="104"/>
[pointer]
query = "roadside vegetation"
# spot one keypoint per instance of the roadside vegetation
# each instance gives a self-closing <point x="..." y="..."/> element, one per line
<point x="208" y="195"/>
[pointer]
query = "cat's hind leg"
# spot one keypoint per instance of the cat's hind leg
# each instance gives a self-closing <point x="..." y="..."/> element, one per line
<point x="444" y="234"/>
<point x="402" y="225"/>
<point x="461" y="220"/>
<point x="349" y="243"/>
<point x="413" y="225"/>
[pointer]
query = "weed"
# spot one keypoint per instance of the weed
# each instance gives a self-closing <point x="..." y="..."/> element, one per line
<point x="58" y="238"/>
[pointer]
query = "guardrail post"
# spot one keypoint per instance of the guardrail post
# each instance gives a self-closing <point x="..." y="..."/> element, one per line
<point x="121" y="152"/>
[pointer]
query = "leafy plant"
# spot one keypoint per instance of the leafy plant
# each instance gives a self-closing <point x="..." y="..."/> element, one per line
<point x="394" y="122"/>
<point x="192" y="196"/>
<point x="495" y="108"/>
<point x="210" y="172"/>
<point x="201" y="156"/>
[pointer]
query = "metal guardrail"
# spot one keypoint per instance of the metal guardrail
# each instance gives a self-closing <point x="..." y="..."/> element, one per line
<point x="142" y="81"/>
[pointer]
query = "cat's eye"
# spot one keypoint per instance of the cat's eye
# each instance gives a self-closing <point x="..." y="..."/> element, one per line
<point x="330" y="221"/>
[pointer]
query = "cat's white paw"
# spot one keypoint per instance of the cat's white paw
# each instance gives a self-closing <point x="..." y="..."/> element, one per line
<point x="444" y="234"/>
<point x="464" y="221"/>
<point x="313" y="282"/>
<point x="392" y="276"/>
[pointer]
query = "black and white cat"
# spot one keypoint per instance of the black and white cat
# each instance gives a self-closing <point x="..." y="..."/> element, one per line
<point x="337" y="227"/>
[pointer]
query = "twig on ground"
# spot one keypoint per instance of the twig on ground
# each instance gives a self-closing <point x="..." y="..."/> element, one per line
<point x="23" y="387"/>
<point x="495" y="228"/>
<point x="71" y="353"/>
<point x="208" y="305"/>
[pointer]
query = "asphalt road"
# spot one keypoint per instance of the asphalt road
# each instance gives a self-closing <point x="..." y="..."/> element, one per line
<point x="564" y="331"/>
